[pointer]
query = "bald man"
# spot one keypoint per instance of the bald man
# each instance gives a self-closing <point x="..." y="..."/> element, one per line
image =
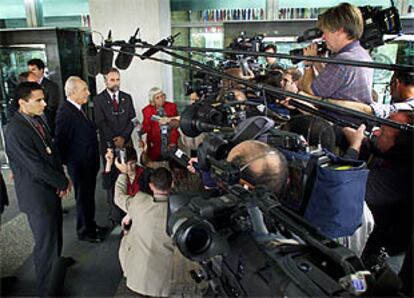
<point x="260" y="164"/>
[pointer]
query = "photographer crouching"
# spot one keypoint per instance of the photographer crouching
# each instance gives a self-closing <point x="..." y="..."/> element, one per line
<point x="145" y="252"/>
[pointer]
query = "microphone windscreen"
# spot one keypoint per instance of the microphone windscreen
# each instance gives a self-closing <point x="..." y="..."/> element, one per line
<point x="93" y="61"/>
<point x="123" y="61"/>
<point x="152" y="51"/>
<point x="106" y="60"/>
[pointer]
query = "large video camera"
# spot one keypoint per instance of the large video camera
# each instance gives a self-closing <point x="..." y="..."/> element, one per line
<point x="206" y="86"/>
<point x="245" y="62"/>
<point x="248" y="244"/>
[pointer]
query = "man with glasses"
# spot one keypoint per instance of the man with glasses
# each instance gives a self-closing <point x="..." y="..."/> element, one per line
<point x="113" y="111"/>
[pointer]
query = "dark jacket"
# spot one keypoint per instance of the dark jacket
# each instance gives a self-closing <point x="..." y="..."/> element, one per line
<point x="4" y="199"/>
<point x="52" y="95"/>
<point x="76" y="138"/>
<point x="53" y="100"/>
<point x="109" y="123"/>
<point x="37" y="174"/>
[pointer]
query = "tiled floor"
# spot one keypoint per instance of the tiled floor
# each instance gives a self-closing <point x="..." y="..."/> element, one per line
<point x="96" y="271"/>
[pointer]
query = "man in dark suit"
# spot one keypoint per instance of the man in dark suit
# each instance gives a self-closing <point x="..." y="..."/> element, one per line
<point x="78" y="145"/>
<point x="113" y="111"/>
<point x="51" y="90"/>
<point x="39" y="180"/>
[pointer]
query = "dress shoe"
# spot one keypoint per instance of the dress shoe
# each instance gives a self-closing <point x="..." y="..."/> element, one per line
<point x="93" y="238"/>
<point x="69" y="261"/>
<point x="102" y="231"/>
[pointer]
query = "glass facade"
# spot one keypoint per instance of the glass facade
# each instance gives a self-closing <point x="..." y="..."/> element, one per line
<point x="214" y="24"/>
<point x="54" y="13"/>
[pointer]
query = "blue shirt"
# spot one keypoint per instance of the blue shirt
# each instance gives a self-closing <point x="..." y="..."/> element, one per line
<point x="345" y="81"/>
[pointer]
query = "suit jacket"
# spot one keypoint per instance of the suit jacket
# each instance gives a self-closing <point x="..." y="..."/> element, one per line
<point x="76" y="138"/>
<point x="4" y="199"/>
<point x="52" y="95"/>
<point x="37" y="174"/>
<point x="146" y="252"/>
<point x="152" y="128"/>
<point x="109" y="124"/>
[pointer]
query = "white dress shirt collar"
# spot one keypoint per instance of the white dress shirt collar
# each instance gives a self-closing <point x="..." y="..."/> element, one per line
<point x="111" y="94"/>
<point x="78" y="106"/>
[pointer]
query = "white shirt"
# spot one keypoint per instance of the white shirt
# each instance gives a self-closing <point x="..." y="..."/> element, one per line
<point x="111" y="95"/>
<point x="78" y="106"/>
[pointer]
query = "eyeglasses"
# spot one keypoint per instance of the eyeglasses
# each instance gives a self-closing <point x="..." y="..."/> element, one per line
<point x="387" y="88"/>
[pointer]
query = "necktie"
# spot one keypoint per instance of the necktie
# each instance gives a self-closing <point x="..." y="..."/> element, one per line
<point x="40" y="128"/>
<point x="115" y="103"/>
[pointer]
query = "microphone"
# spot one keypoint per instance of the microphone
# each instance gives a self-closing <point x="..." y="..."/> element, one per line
<point x="123" y="60"/>
<point x="93" y="60"/>
<point x="161" y="112"/>
<point x="106" y="55"/>
<point x="181" y="158"/>
<point x="166" y="42"/>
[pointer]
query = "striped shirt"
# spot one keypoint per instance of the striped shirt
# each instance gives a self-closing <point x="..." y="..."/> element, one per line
<point x="344" y="81"/>
<point x="385" y="110"/>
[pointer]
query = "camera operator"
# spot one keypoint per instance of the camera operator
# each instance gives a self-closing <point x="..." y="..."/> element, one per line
<point x="342" y="26"/>
<point x="402" y="97"/>
<point x="271" y="61"/>
<point x="146" y="251"/>
<point x="260" y="165"/>
<point x="389" y="192"/>
<point x="161" y="133"/>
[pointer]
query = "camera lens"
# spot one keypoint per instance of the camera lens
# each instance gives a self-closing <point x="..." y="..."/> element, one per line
<point x="198" y="239"/>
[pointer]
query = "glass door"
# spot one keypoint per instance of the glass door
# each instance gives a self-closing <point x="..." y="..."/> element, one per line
<point x="13" y="61"/>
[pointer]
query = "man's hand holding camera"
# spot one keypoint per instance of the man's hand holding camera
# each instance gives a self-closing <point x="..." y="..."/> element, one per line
<point x="311" y="51"/>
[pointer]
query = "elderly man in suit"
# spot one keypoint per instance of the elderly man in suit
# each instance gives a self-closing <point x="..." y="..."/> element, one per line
<point x="113" y="111"/>
<point x="39" y="179"/>
<point x="146" y="251"/>
<point x="78" y="145"/>
<point x="52" y="95"/>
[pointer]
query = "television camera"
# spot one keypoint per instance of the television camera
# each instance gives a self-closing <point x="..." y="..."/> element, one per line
<point x="247" y="242"/>
<point x="246" y="62"/>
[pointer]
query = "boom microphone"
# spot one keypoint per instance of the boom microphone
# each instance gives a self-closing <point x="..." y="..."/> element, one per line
<point x="93" y="60"/>
<point x="106" y="55"/>
<point x="166" y="42"/>
<point x="123" y="60"/>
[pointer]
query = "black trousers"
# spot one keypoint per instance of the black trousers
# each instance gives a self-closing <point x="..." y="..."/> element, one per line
<point x="115" y="214"/>
<point x="47" y="234"/>
<point x="84" y="184"/>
